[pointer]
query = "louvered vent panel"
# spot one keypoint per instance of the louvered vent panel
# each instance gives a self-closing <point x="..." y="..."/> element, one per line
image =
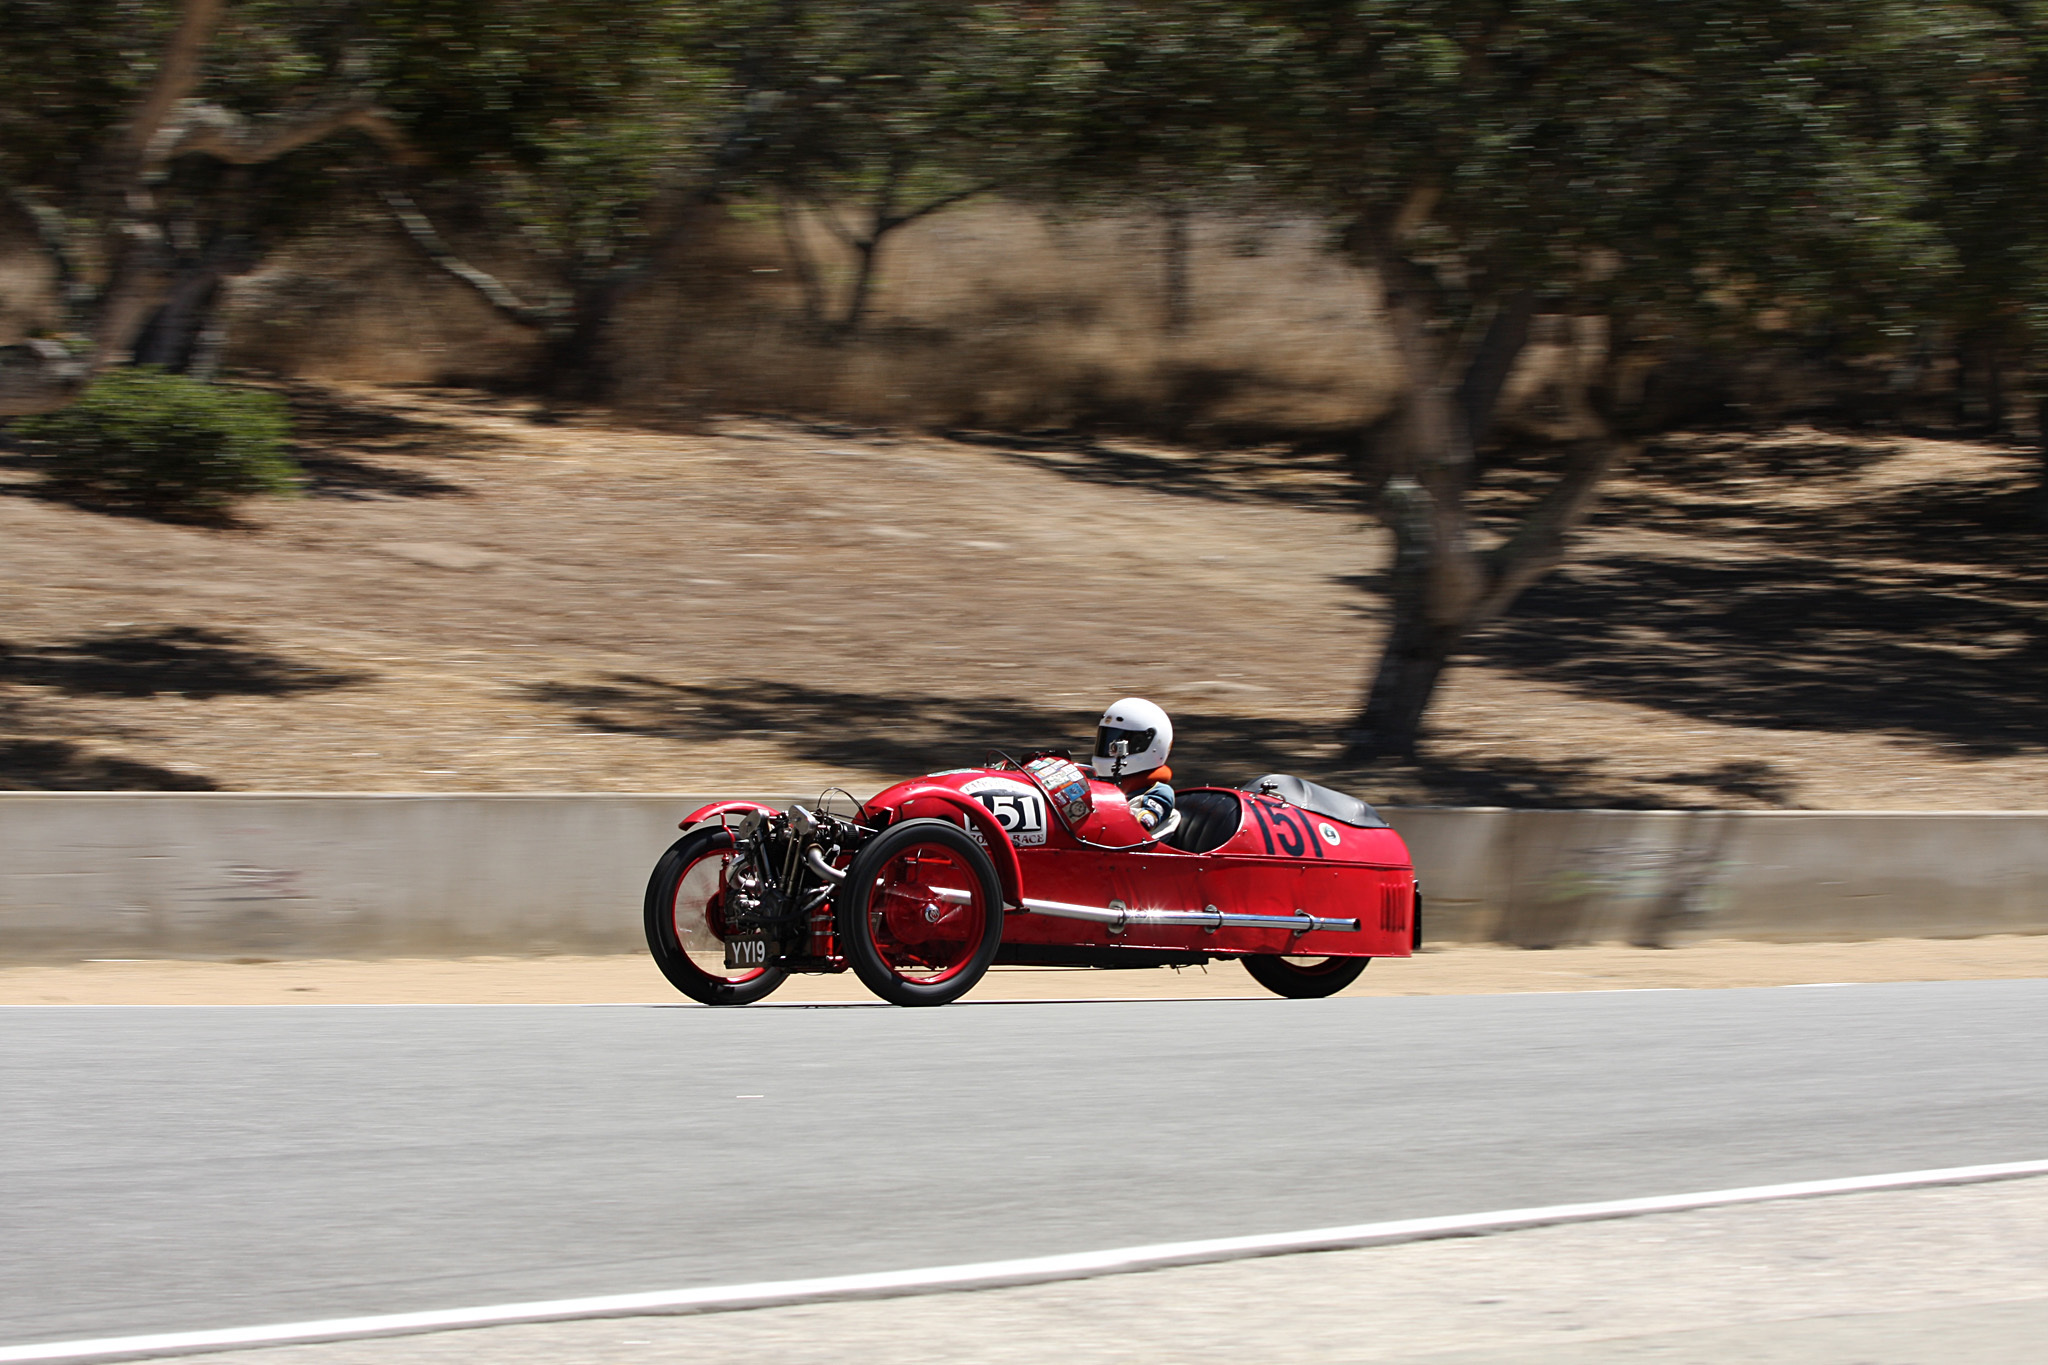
<point x="1394" y="902"/>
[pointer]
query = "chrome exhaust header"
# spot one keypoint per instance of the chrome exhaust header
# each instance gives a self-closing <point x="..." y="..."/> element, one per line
<point x="816" y="862"/>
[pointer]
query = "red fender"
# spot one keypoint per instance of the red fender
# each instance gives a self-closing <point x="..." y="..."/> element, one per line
<point x="918" y="802"/>
<point x="717" y="808"/>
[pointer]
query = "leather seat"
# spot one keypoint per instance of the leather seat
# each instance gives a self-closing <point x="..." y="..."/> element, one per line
<point x="1334" y="805"/>
<point x="1207" y="820"/>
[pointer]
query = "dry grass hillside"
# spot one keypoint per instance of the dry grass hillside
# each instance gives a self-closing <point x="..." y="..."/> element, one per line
<point x="470" y="600"/>
<point x="988" y="316"/>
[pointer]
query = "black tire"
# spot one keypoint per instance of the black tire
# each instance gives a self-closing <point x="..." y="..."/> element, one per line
<point x="683" y="927"/>
<point x="1303" y="978"/>
<point x="890" y="927"/>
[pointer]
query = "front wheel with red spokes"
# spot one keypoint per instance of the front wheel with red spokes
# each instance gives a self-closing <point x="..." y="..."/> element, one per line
<point x="686" y="923"/>
<point x="921" y="913"/>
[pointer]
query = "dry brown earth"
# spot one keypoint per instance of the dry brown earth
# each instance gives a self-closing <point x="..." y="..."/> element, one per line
<point x="470" y="600"/>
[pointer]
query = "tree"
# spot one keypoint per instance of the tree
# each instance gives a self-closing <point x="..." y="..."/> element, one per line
<point x="1489" y="160"/>
<point x="1977" y="96"/>
<point x="262" y="119"/>
<point x="137" y="186"/>
<point x="886" y="112"/>
<point x="588" y="135"/>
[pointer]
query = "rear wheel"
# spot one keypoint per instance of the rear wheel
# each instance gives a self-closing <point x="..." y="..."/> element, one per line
<point x="1305" y="978"/>
<point x="921" y="913"/>
<point x="686" y="923"/>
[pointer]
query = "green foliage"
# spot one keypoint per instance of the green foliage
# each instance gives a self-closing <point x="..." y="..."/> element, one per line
<point x="164" y="443"/>
<point x="67" y="76"/>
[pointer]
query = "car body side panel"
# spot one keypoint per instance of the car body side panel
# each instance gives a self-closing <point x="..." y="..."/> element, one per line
<point x="1281" y="860"/>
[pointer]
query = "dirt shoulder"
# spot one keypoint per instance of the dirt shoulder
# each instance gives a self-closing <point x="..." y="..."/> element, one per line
<point x="1474" y="969"/>
<point x="471" y="600"/>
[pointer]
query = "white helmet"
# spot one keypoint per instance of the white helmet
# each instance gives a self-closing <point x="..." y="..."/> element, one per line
<point x="1144" y="732"/>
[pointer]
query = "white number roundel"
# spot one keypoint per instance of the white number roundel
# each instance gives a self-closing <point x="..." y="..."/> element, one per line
<point x="1017" y="806"/>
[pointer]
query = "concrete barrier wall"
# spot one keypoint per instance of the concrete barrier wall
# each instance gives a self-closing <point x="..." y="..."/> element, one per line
<point x="231" y="874"/>
<point x="258" y="875"/>
<point x="1551" y="878"/>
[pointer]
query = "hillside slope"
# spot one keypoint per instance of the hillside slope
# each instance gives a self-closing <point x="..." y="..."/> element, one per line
<point x="469" y="600"/>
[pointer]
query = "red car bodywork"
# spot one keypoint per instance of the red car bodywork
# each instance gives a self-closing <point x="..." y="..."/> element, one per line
<point x="1235" y="856"/>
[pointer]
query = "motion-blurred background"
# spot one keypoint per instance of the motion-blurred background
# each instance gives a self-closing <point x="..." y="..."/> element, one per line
<point x="1460" y="402"/>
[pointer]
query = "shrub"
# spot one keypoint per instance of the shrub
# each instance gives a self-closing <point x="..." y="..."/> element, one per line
<point x="164" y="443"/>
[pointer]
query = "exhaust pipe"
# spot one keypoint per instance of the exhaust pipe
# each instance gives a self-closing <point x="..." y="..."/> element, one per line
<point x="815" y="861"/>
<point x="1120" y="917"/>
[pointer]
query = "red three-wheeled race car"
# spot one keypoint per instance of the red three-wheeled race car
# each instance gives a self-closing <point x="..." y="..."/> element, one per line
<point x="1030" y="861"/>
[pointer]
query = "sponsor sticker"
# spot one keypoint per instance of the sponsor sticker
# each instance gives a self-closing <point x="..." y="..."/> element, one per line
<point x="1329" y="833"/>
<point x="1068" y="786"/>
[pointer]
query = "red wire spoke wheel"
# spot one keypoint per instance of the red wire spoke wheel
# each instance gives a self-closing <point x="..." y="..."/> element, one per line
<point x="921" y="914"/>
<point x="1304" y="978"/>
<point x="686" y="923"/>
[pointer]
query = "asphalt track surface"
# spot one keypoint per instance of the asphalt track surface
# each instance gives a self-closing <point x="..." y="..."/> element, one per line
<point x="189" y="1168"/>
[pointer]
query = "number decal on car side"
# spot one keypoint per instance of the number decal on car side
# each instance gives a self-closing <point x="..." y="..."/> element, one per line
<point x="1296" y="839"/>
<point x="1265" y="829"/>
<point x="1019" y="809"/>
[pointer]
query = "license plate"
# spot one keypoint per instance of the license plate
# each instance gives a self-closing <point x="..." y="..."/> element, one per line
<point x="746" y="953"/>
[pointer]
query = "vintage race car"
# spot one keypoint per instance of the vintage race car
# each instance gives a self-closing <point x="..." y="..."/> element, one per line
<point x="1036" y="862"/>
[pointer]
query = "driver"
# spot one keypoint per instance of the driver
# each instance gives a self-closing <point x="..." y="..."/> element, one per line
<point x="1131" y="743"/>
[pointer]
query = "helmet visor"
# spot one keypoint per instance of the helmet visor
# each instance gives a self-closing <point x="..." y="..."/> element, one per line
<point x="1106" y="735"/>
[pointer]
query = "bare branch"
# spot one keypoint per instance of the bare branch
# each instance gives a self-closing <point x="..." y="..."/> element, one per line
<point x="488" y="286"/>
<point x="1537" y="546"/>
<point x="177" y="74"/>
<point x="199" y="128"/>
<point x="943" y="202"/>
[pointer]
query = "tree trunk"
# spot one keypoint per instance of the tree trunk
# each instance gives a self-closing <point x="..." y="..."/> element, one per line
<point x="865" y="250"/>
<point x="1437" y="581"/>
<point x="1419" y="641"/>
<point x="802" y="264"/>
<point x="2041" y="494"/>
<point x="1443" y="586"/>
<point x="575" y="360"/>
<point x="1994" y="390"/>
<point x="170" y="338"/>
<point x="1175" y="248"/>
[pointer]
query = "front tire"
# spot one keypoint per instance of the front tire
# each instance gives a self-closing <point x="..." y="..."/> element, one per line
<point x="921" y="913"/>
<point x="684" y="922"/>
<point x="1305" y="978"/>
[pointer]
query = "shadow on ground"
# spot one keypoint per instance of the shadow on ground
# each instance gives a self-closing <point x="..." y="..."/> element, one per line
<point x="1316" y="479"/>
<point x="185" y="660"/>
<point x="910" y="733"/>
<point x="1725" y="459"/>
<point x="351" y="450"/>
<point x="60" y="765"/>
<point x="1921" y="611"/>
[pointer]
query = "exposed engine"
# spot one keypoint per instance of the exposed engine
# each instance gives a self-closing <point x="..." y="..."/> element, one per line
<point x="782" y="875"/>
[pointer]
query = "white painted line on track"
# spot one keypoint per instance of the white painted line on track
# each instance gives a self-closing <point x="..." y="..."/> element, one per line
<point x="986" y="1274"/>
